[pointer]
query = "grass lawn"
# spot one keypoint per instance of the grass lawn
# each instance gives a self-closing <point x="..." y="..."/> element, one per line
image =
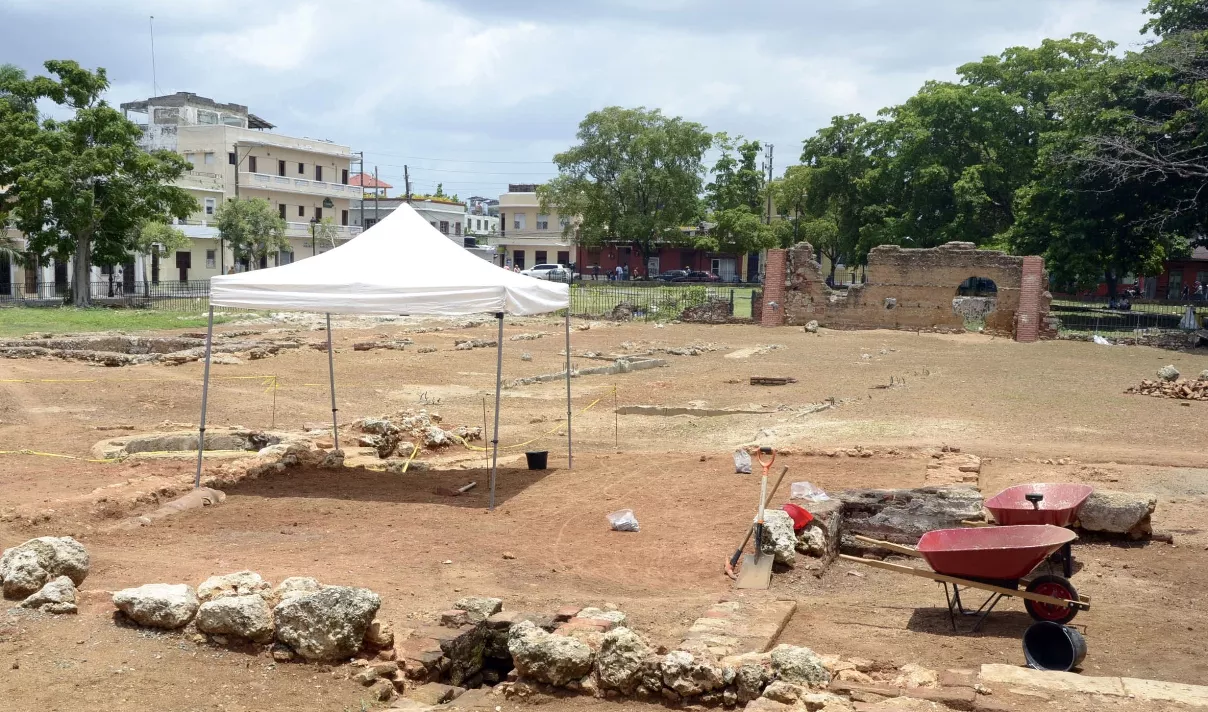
<point x="656" y="302"/>
<point x="18" y="321"/>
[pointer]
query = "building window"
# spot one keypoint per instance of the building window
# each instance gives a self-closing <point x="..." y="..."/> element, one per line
<point x="285" y="257"/>
<point x="344" y="176"/>
<point x="318" y="213"/>
<point x="369" y="222"/>
<point x="189" y="157"/>
<point x="564" y="222"/>
<point x="211" y="259"/>
<point x="479" y="223"/>
<point x="281" y="168"/>
<point x="251" y="164"/>
<point x="518" y="259"/>
<point x="301" y="211"/>
<point x="301" y="169"/>
<point x="343" y="217"/>
<point x="518" y="221"/>
<point x="433" y="223"/>
<point x="444" y="226"/>
<point x="539" y="257"/>
<point x="209" y="158"/>
<point x="564" y="258"/>
<point x="456" y="228"/>
<point x="542" y="222"/>
<point x="210" y="204"/>
<point x="281" y="210"/>
<point x="319" y="173"/>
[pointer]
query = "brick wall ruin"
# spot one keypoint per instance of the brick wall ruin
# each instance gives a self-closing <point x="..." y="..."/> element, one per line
<point x="912" y="289"/>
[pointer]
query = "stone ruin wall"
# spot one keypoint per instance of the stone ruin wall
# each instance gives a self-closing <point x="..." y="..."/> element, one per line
<point x="913" y="289"/>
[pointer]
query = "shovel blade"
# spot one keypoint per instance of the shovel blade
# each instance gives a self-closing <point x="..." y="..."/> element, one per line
<point x="756" y="572"/>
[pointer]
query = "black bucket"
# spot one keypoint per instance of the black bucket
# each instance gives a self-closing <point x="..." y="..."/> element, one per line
<point x="1052" y="646"/>
<point x="537" y="459"/>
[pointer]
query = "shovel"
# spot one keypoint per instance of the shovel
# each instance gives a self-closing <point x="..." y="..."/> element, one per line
<point x="756" y="571"/>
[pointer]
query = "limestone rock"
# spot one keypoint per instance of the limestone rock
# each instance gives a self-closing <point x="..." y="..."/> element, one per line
<point x="812" y="326"/>
<point x="240" y="583"/>
<point x="798" y="665"/>
<point x="58" y="596"/>
<point x="295" y="586"/>
<point x="544" y="657"/>
<point x="246" y="617"/>
<point x="1118" y="512"/>
<point x="158" y="605"/>
<point x="619" y="660"/>
<point x="379" y="634"/>
<point x="763" y="704"/>
<point x="1168" y="373"/>
<point x="911" y="676"/>
<point x="779" y="539"/>
<point x="786" y="692"/>
<point x="464" y="650"/>
<point x="328" y="624"/>
<point x="750" y="679"/>
<point x="26" y="568"/>
<point x="1203" y="375"/>
<point x="812" y="541"/>
<point x="479" y="607"/>
<point x="595" y="614"/>
<point x="689" y="675"/>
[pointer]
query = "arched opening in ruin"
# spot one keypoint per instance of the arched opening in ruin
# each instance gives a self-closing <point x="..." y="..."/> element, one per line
<point x="975" y="299"/>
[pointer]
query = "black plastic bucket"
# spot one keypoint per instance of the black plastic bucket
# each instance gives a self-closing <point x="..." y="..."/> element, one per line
<point x="537" y="459"/>
<point x="1052" y="646"/>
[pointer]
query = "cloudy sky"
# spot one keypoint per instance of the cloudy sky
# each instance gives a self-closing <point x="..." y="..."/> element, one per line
<point x="475" y="94"/>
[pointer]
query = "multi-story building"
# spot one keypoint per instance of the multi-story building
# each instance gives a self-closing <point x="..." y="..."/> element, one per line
<point x="447" y="216"/>
<point x="235" y="156"/>
<point x="527" y="235"/>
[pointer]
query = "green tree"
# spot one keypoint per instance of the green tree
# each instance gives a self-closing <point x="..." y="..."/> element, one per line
<point x="634" y="177"/>
<point x="325" y="231"/>
<point x="789" y="195"/>
<point x="735" y="200"/>
<point x="157" y="238"/>
<point x="80" y="186"/>
<point x="834" y="180"/>
<point x="251" y="228"/>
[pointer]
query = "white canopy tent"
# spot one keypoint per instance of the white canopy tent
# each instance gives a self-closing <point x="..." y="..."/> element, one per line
<point x="401" y="265"/>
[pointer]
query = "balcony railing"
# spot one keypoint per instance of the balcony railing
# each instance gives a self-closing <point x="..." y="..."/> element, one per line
<point x="302" y="229"/>
<point x="290" y="184"/>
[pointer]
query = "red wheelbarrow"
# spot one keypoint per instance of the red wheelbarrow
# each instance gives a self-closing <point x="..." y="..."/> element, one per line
<point x="994" y="559"/>
<point x="1042" y="503"/>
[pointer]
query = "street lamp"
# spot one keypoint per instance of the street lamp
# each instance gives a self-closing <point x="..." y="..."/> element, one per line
<point x="314" y="247"/>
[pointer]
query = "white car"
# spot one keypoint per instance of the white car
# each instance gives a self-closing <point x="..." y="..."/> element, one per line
<point x="554" y="272"/>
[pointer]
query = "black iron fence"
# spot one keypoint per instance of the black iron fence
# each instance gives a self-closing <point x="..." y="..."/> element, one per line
<point x="1096" y="315"/>
<point x="654" y="301"/>
<point x="190" y="296"/>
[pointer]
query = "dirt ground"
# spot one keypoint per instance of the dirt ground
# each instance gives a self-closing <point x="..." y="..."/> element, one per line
<point x="1053" y="411"/>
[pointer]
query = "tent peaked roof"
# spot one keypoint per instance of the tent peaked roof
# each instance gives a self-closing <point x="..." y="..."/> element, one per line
<point x="401" y="265"/>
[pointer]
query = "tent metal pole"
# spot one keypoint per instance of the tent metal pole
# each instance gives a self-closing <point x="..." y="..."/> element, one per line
<point x="498" y="386"/>
<point x="570" y="458"/>
<point x="331" y="372"/>
<point x="205" y="389"/>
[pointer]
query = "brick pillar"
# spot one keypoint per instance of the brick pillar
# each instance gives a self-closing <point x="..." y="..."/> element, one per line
<point x="1027" y="318"/>
<point x="774" y="288"/>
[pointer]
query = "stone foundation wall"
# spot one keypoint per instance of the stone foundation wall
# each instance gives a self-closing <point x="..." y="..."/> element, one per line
<point x="914" y="289"/>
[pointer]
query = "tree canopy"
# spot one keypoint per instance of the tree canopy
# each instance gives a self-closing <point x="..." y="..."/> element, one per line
<point x="735" y="200"/>
<point x="635" y="177"/>
<point x="251" y="228"/>
<point x="80" y="187"/>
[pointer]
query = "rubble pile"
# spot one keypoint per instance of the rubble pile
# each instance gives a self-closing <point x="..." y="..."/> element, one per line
<point x="397" y="435"/>
<point x="43" y="573"/>
<point x="1178" y="388"/>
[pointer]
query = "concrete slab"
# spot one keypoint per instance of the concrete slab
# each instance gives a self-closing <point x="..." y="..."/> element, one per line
<point x="736" y="627"/>
<point x="1056" y="681"/>
<point x="1158" y="691"/>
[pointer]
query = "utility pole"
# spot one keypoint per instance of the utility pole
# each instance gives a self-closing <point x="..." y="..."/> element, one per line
<point x="377" y="202"/>
<point x="361" y="173"/>
<point x="768" y="219"/>
<point x="407" y="182"/>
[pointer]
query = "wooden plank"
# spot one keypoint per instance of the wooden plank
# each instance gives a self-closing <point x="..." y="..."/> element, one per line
<point x="1039" y="598"/>
<point x="771" y="380"/>
<point x="890" y="546"/>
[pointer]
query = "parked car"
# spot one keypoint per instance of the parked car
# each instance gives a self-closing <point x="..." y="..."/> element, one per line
<point x="697" y="277"/>
<point x="671" y="275"/>
<point x="552" y="272"/>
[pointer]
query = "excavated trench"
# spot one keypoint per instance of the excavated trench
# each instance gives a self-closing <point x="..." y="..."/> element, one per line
<point x="219" y="443"/>
<point x="121" y="350"/>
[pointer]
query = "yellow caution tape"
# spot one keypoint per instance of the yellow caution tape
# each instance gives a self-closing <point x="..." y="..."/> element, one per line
<point x="547" y="433"/>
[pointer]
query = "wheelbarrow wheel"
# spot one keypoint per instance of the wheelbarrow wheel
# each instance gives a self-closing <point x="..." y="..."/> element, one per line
<point x="1057" y="587"/>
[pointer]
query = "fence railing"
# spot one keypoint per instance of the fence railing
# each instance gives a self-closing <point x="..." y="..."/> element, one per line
<point x="645" y="301"/>
<point x="1095" y="315"/>
<point x="168" y="295"/>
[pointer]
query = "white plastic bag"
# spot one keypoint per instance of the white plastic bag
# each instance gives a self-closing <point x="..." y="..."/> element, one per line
<point x="808" y="492"/>
<point x="742" y="462"/>
<point x="1101" y="341"/>
<point x="623" y="520"/>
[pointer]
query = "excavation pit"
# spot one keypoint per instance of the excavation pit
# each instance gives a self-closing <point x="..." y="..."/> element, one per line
<point x="220" y="443"/>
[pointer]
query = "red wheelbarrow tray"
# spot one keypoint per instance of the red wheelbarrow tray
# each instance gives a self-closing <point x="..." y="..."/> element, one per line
<point x="997" y="553"/>
<point x="1059" y="506"/>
